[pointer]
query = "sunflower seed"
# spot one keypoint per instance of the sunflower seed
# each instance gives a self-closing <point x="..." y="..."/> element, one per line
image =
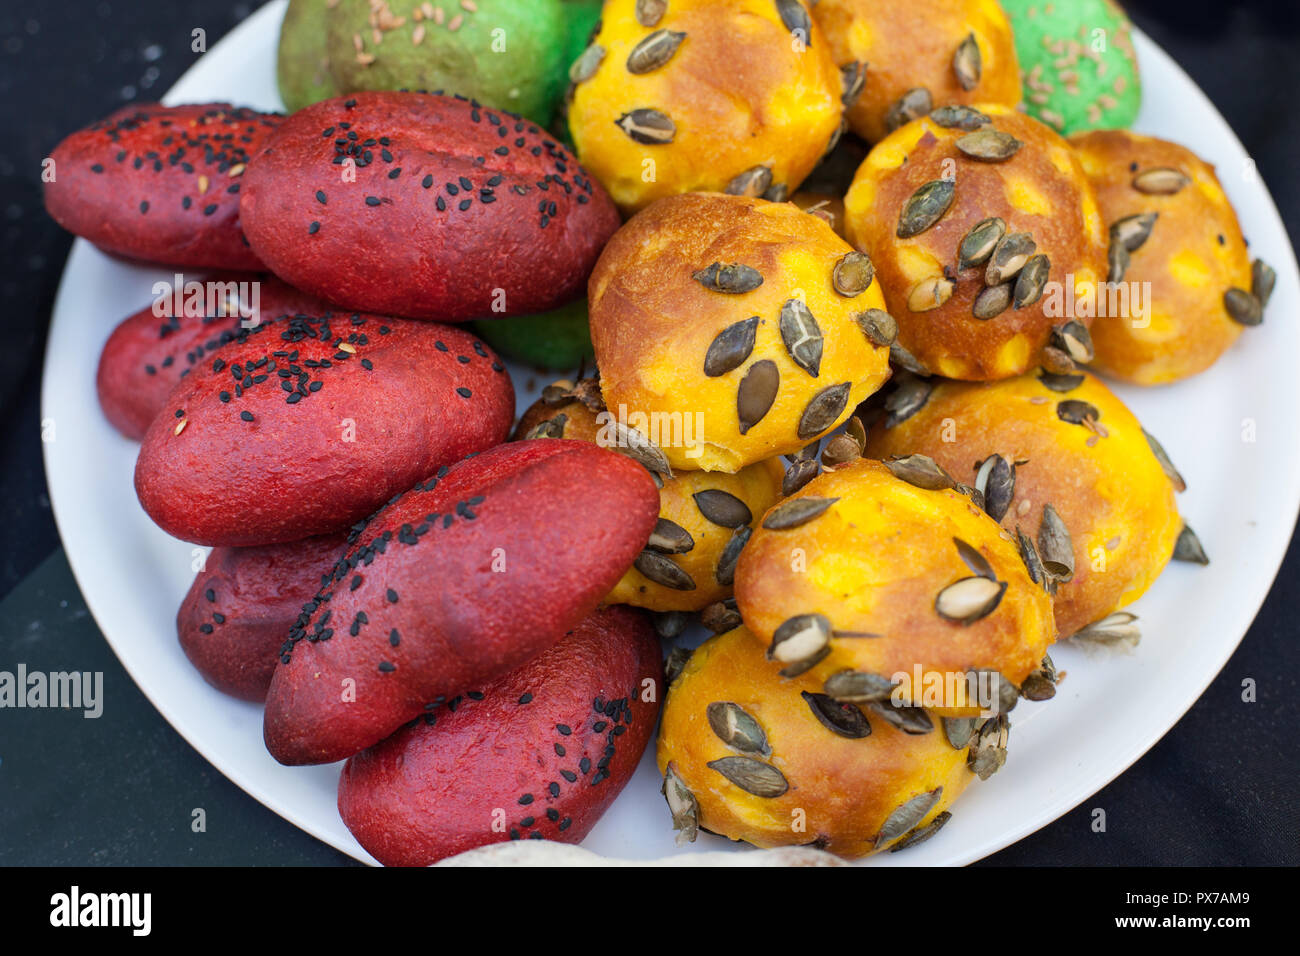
<point x="900" y="356"/>
<point x="654" y="51"/>
<point x="669" y="537"/>
<point x="799" y="638"/>
<point x="800" y="667"/>
<point x="1262" y="281"/>
<point x="966" y="63"/>
<point x="675" y="663"/>
<point x="753" y="776"/>
<point x="650" y="12"/>
<point x="1054" y="545"/>
<point x="721" y="616"/>
<point x="1166" y="464"/>
<point x="725" y="573"/>
<point x="980" y="242"/>
<point x="958" y="730"/>
<point x="756" y="394"/>
<point x="930" y="294"/>
<point x="723" y="508"/>
<point x="801" y="335"/>
<point x="799" y="474"/>
<point x="996" y="480"/>
<point x="550" y="428"/>
<point x="664" y="571"/>
<point x="880" y="328"/>
<point x="736" y="728"/>
<point x="853" y="274"/>
<point x="853" y="77"/>
<point x="1243" y="308"/>
<point x="1032" y="280"/>
<point x="988" y="145"/>
<point x="921" y="471"/>
<point x="955" y="116"/>
<point x="1188" y="547"/>
<point x="647" y="126"/>
<point x="1132" y="231"/>
<point x="669" y="624"/>
<point x="752" y="182"/>
<point x="974" y="559"/>
<point x="1076" y="411"/>
<point x="841" y="718"/>
<point x="908" y="816"/>
<point x="777" y="192"/>
<point x="925" y="207"/>
<point x="630" y="442"/>
<point x="1160" y="181"/>
<point x="1117" y="261"/>
<point x="1029" y="555"/>
<point x="796" y="512"/>
<point x="683" y="806"/>
<point x="1009" y="257"/>
<point x="795" y="17"/>
<point x="826" y="406"/>
<point x="858" y="687"/>
<point x="1074" y="339"/>
<point x="1111" y="630"/>
<point x="1057" y="363"/>
<point x="585" y="66"/>
<point x="992" y="301"/>
<point x="919" y="835"/>
<point x="969" y="600"/>
<point x="730" y="347"/>
<point x="988" y="751"/>
<point x="913" y="104"/>
<point x="732" y="278"/>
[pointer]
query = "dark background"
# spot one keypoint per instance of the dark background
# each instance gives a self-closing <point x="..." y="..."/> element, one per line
<point x="1219" y="789"/>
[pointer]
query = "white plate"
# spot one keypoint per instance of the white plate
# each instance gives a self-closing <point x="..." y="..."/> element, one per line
<point x="1242" y="499"/>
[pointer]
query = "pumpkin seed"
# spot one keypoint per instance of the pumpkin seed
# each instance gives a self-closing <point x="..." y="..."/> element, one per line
<point x="1009" y="257"/>
<point x="974" y="559"/>
<point x="669" y="624"/>
<point x="731" y="347"/>
<point x="753" y="776"/>
<point x="880" y="328"/>
<point x="852" y="274"/>
<point x="654" y="51"/>
<point x="737" y="728"/>
<point x="841" y="450"/>
<point x="855" y="430"/>
<point x="550" y="428"/>
<point x="925" y="207"/>
<point x="900" y="356"/>
<point x="585" y="66"/>
<point x="966" y="63"/>
<point x="913" y="104"/>
<point x="992" y="301"/>
<point x="796" y="512"/>
<point x="1117" y="261"/>
<point x="1060" y="383"/>
<point x="1132" y="231"/>
<point x="647" y="126"/>
<point x="650" y="12"/>
<point x="669" y="537"/>
<point x="795" y="17"/>
<point x="1112" y="630"/>
<point x="683" y="806"/>
<point x="630" y="442"/>
<point x="1160" y="181"/>
<point x="908" y="816"/>
<point x="1243" y="308"/>
<point x="663" y="571"/>
<point x="1188" y="547"/>
<point x="1005" y="692"/>
<point x="958" y="730"/>
<point x="921" y="834"/>
<point x="1076" y="411"/>
<point x="799" y="474"/>
<point x="1056" y="362"/>
<point x="800" y="667"/>
<point x="1054" y="545"/>
<point x="969" y="600"/>
<point x="675" y="663"/>
<point x="988" y="751"/>
<point x="826" y="406"/>
<point x="807" y="453"/>
<point x="989" y="145"/>
<point x="836" y="135"/>
<point x="1029" y="555"/>
<point x="732" y="278"/>
<point x="838" y="717"/>
<point x="756" y="394"/>
<point x="1032" y="280"/>
<point x="996" y="480"/>
<point x="907" y="398"/>
<point x="1262" y="281"/>
<point x="980" y="242"/>
<point x="858" y="687"/>
<point x="974" y="494"/>
<point x="801" y="335"/>
<point x="930" y="294"/>
<point x="725" y="573"/>
<point x="853" y="78"/>
<point x="721" y="616"/>
<point x="921" y="471"/>
<point x="799" y="638"/>
<point x="955" y="116"/>
<point x="723" y="508"/>
<point x="1166" y="464"/>
<point x="752" y="182"/>
<point x="1074" y="339"/>
<point x="777" y="192"/>
<point x="1040" y="684"/>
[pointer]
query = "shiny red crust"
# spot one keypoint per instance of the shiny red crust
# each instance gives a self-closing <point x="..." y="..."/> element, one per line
<point x="540" y="754"/>
<point x="455" y="211"/>
<point x="160" y="183"/>
<point x="242" y="455"/>
<point x="147" y="354"/>
<point x="241" y="606"/>
<point x="459" y="581"/>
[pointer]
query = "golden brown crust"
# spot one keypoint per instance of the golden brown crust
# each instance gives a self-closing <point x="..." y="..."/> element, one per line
<point x="1195" y="253"/>
<point x="1041" y="190"/>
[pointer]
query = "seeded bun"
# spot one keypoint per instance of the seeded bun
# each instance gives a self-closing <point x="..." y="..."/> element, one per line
<point x="656" y="327"/>
<point x="1193" y="256"/>
<point x="916" y="49"/>
<point x="1040" y="190"/>
<point x="798" y="781"/>
<point x="1074" y="446"/>
<point x="704" y="95"/>
<point x="868" y="553"/>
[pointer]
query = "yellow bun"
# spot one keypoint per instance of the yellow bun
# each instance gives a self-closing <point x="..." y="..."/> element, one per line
<point x="912" y="45"/>
<point x="1040" y="190"/>
<point x="656" y="329"/>
<point x="1195" y="254"/>
<point x="740" y="91"/>
<point x="840" y="791"/>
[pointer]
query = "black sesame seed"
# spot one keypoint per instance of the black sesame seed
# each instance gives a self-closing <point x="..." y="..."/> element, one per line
<point x="552" y="814"/>
<point x="387" y="667"/>
<point x="465" y="204"/>
<point x="246" y="416"/>
<point x="565" y="729"/>
<point x="526" y="699"/>
<point x="321" y="197"/>
<point x="209" y="209"/>
<point x="372" y="200"/>
<point x="569" y="775"/>
<point x="313" y="228"/>
<point x="144" y="207"/>
<point x="463" y="392"/>
<point x="565" y="823"/>
<point x="527" y="821"/>
<point x="526" y="799"/>
<point x="210" y="594"/>
<point x="392" y="596"/>
<point x="560" y="751"/>
<point x="394" y="638"/>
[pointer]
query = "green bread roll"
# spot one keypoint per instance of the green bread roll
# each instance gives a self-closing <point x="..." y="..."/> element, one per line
<point x="557" y="340"/>
<point x="1077" y="63"/>
<point x="302" y="67"/>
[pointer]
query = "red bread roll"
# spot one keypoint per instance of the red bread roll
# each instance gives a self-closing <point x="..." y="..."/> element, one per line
<point x="234" y="619"/>
<point x="457" y="582"/>
<point x="540" y="753"/>
<point x="425" y="206"/>
<point x="160" y="183"/>
<point x="307" y="425"/>
<point x="147" y="354"/>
